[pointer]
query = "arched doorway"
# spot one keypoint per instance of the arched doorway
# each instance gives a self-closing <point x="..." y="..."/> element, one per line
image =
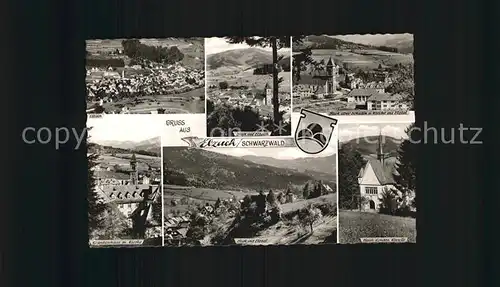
<point x="372" y="204"/>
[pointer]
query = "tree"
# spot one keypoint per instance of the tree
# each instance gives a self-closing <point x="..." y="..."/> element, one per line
<point x="403" y="83"/>
<point x="309" y="215"/>
<point x="197" y="227"/>
<point x="157" y="208"/>
<point x="276" y="43"/>
<point x="217" y="203"/>
<point x="271" y="198"/>
<point x="405" y="177"/>
<point x="302" y="58"/>
<point x="305" y="191"/>
<point x="389" y="202"/>
<point x="350" y="163"/>
<point x="96" y="208"/>
<point x="223" y="85"/>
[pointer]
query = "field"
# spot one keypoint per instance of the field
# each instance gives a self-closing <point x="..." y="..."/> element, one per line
<point x="355" y="225"/>
<point x="123" y="160"/>
<point x="237" y="77"/>
<point x="191" y="102"/>
<point x="362" y="59"/>
<point x="320" y="106"/>
<point x="191" y="48"/>
<point x="300" y="204"/>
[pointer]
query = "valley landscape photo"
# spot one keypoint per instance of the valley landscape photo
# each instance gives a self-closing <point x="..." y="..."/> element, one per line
<point x="353" y="74"/>
<point x="249" y="82"/>
<point x="124" y="183"/>
<point x="263" y="196"/>
<point x="377" y="182"/>
<point x="145" y="76"/>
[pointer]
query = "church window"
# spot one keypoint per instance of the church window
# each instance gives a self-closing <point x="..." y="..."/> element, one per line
<point x="371" y="190"/>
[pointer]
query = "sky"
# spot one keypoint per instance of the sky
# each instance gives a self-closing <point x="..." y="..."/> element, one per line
<point x="278" y="153"/>
<point x="217" y="45"/>
<point x="351" y="131"/>
<point x="374" y="39"/>
<point x="124" y="128"/>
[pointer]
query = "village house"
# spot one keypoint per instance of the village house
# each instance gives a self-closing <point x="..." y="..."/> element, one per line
<point x="385" y="102"/>
<point x="360" y="96"/>
<point x="129" y="197"/>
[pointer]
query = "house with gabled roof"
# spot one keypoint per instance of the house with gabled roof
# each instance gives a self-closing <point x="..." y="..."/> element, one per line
<point x="385" y="101"/>
<point x="374" y="178"/>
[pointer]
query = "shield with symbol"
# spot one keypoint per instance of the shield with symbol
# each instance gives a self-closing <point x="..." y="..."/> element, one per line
<point x="314" y="131"/>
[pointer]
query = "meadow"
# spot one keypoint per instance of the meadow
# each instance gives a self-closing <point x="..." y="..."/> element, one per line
<point x="238" y="77"/>
<point x="191" y="102"/>
<point x="362" y="59"/>
<point x="354" y="225"/>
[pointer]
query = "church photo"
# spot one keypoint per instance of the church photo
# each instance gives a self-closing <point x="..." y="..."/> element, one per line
<point x="377" y="182"/>
<point x="353" y="74"/>
<point x="248" y="85"/>
<point x="124" y="197"/>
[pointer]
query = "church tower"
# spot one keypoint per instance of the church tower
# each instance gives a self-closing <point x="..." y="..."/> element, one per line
<point x="380" y="150"/>
<point x="134" y="174"/>
<point x="332" y="75"/>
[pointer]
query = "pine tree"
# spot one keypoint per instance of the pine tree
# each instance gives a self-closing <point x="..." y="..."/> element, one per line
<point x="276" y="43"/>
<point x="406" y="164"/>
<point x="350" y="163"/>
<point x="403" y="83"/>
<point x="96" y="208"/>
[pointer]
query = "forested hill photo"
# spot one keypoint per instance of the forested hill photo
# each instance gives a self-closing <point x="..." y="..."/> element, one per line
<point x="201" y="168"/>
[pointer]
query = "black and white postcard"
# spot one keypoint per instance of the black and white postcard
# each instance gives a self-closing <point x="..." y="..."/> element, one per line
<point x="377" y="183"/>
<point x="124" y="197"/>
<point x="353" y="74"/>
<point x="249" y="191"/>
<point x="248" y="86"/>
<point x="145" y="76"/>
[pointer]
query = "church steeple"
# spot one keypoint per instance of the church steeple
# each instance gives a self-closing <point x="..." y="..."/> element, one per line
<point x="380" y="150"/>
<point x="134" y="174"/>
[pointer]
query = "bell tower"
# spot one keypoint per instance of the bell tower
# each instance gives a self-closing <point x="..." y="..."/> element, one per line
<point x="134" y="174"/>
<point x="380" y="150"/>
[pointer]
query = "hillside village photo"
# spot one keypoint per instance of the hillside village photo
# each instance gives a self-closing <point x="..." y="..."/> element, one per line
<point x="248" y="85"/>
<point x="254" y="196"/>
<point x="353" y="74"/>
<point x="124" y="194"/>
<point x="145" y="76"/>
<point x="377" y="179"/>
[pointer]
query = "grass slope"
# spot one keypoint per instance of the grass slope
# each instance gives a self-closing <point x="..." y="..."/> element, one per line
<point x="355" y="225"/>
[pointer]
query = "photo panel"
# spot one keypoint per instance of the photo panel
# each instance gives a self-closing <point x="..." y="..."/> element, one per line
<point x="125" y="201"/>
<point x="377" y="182"/>
<point x="145" y="76"/>
<point x="248" y="86"/>
<point x="369" y="74"/>
<point x="222" y="191"/>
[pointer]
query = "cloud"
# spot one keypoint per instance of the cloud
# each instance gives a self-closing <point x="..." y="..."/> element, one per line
<point x="124" y="128"/>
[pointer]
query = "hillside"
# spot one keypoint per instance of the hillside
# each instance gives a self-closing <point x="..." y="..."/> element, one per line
<point x="201" y="168"/>
<point x="150" y="145"/>
<point x="402" y="42"/>
<point x="320" y="167"/>
<point x="327" y="42"/>
<point x="242" y="58"/>
<point x="368" y="145"/>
